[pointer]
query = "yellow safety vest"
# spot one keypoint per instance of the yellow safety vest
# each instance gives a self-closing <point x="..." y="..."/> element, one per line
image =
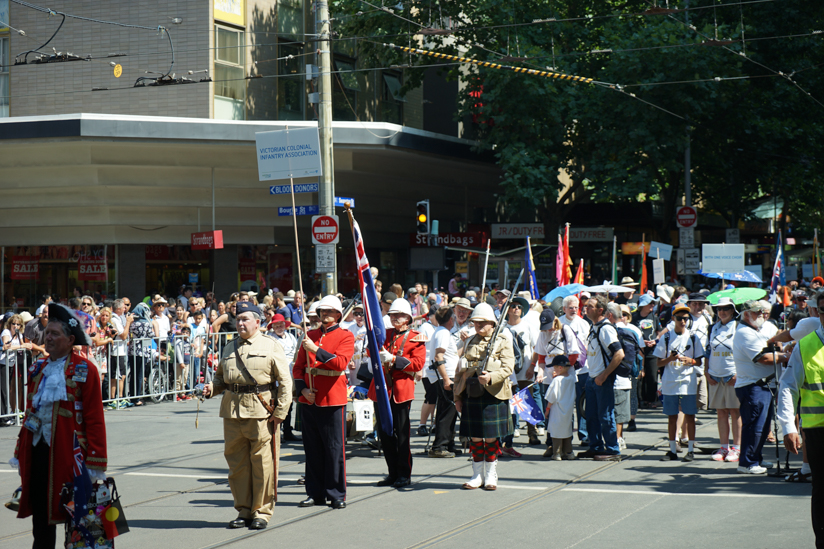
<point x="812" y="391"/>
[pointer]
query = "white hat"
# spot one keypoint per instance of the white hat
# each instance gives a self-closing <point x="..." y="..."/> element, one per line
<point x="662" y="290"/>
<point x="26" y="317"/>
<point x="329" y="302"/>
<point x="483" y="313"/>
<point x="400" y="306"/>
<point x="290" y="293"/>
<point x="726" y="302"/>
<point x="628" y="281"/>
<point x="313" y="309"/>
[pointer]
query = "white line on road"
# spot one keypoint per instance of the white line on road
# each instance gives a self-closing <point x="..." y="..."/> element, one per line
<point x="650" y="493"/>
<point x="223" y="477"/>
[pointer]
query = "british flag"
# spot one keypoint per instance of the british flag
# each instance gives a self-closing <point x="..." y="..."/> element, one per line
<point x="375" y="331"/>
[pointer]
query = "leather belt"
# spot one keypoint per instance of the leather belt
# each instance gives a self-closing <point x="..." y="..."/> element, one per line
<point x="251" y="389"/>
<point x="322" y="372"/>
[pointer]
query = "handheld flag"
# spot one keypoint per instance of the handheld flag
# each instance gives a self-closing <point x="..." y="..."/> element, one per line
<point x="375" y="332"/>
<point x="579" y="274"/>
<point x="778" y="275"/>
<point x="82" y="490"/>
<point x="567" y="259"/>
<point x="531" y="283"/>
<point x="642" y="289"/>
<point x="524" y="404"/>
<point x="114" y="521"/>
<point x="559" y="261"/>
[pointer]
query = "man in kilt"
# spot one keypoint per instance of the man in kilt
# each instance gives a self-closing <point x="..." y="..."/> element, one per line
<point x="482" y="398"/>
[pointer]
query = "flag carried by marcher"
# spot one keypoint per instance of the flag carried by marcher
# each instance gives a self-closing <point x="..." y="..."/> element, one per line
<point x="525" y="406"/>
<point x="559" y="263"/>
<point x="567" y="258"/>
<point x="778" y="274"/>
<point x="531" y="283"/>
<point x="375" y="332"/>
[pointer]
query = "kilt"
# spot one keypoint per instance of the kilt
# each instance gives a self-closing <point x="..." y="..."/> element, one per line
<point x="485" y="417"/>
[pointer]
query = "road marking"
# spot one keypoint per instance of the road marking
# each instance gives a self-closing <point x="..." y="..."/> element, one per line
<point x="441" y="491"/>
<point x="175" y="476"/>
<point x="649" y="493"/>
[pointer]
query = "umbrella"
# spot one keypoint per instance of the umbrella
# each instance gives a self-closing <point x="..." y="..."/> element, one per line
<point x="738" y="295"/>
<point x="740" y="276"/>
<point x="564" y="291"/>
<point x="609" y="288"/>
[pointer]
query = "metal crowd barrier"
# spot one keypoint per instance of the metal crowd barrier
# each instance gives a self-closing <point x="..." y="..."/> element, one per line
<point x="131" y="371"/>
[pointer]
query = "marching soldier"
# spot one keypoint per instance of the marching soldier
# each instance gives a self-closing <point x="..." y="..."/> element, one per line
<point x="321" y="380"/>
<point x="248" y="370"/>
<point x="403" y="354"/>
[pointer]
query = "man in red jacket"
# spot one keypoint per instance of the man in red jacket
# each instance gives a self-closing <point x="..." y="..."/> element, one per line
<point x="320" y="379"/>
<point x="63" y="399"/>
<point x="403" y="354"/>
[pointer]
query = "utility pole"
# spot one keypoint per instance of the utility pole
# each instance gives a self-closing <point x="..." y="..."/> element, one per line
<point x="326" y="187"/>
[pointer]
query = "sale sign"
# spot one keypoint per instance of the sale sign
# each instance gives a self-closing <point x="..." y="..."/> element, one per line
<point x="25" y="267"/>
<point x="93" y="269"/>
<point x="247" y="269"/>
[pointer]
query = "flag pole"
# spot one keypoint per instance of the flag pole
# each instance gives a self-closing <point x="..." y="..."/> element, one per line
<point x="486" y="264"/>
<point x="300" y="274"/>
<point x="614" y="258"/>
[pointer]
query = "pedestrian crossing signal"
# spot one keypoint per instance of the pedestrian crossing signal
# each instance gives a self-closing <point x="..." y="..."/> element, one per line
<point x="422" y="219"/>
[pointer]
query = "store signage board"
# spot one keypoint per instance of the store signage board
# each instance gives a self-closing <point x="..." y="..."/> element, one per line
<point x="209" y="240"/>
<point x="284" y="154"/>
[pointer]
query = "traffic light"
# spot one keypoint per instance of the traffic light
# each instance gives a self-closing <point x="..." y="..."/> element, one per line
<point x="422" y="217"/>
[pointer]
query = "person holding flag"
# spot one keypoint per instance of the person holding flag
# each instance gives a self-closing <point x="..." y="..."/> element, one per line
<point x="531" y="283"/>
<point x="63" y="438"/>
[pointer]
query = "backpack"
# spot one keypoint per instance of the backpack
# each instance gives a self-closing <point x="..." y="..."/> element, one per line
<point x="518" y="346"/>
<point x="633" y="359"/>
<point x="582" y="348"/>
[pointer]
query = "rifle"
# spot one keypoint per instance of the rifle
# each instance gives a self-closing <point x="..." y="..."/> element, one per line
<point x="504" y="311"/>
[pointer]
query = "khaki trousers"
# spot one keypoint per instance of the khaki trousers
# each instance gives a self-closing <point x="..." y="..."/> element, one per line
<point x="252" y="476"/>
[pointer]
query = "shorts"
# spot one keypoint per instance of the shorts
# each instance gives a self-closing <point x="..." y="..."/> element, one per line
<point x="722" y="396"/>
<point x="687" y="403"/>
<point x="431" y="394"/>
<point x="119" y="366"/>
<point x="622" y="407"/>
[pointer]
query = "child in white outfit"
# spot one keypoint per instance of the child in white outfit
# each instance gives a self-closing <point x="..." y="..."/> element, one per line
<point x="560" y="405"/>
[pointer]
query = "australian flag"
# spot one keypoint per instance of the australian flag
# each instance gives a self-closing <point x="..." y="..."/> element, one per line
<point x="526" y="407"/>
<point x="375" y="332"/>
<point x="82" y="488"/>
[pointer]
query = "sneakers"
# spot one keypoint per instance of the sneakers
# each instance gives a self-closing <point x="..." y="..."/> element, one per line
<point x="569" y="456"/>
<point x="732" y="455"/>
<point x="422" y="431"/>
<point x="689" y="457"/>
<point x="441" y="454"/>
<point x="511" y="452"/>
<point x="670" y="456"/>
<point x="622" y="444"/>
<point x="180" y="398"/>
<point x="541" y="432"/>
<point x="721" y="454"/>
<point x="767" y="464"/>
<point x="752" y="470"/>
<point x="556" y="457"/>
<point x="516" y="433"/>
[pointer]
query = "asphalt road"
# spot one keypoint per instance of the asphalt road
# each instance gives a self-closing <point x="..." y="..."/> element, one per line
<point x="172" y="479"/>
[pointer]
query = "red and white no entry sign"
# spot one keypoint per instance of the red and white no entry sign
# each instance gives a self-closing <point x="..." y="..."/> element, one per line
<point x="325" y="229"/>
<point x="686" y="217"/>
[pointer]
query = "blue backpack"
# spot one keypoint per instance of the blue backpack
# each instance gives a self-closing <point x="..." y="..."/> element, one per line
<point x="633" y="359"/>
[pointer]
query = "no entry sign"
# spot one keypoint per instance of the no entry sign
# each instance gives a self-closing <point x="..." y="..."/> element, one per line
<point x="325" y="229"/>
<point x="686" y="217"/>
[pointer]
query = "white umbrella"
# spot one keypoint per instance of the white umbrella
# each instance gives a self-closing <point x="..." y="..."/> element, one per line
<point x="609" y="288"/>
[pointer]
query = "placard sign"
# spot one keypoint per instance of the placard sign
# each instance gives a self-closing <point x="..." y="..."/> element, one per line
<point x="658" y="276"/>
<point x="722" y="258"/>
<point x="288" y="153"/>
<point x="660" y="250"/>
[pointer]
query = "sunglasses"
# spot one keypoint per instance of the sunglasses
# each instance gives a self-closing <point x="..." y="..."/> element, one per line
<point x="728" y="309"/>
<point x="357" y="314"/>
<point x="681" y="318"/>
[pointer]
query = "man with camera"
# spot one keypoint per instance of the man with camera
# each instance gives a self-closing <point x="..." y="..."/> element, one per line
<point x="755" y="362"/>
<point x="805" y="375"/>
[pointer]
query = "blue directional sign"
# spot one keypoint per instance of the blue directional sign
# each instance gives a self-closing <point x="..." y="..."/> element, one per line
<point x="287" y="189"/>
<point x="301" y="210"/>
<point x="339" y="200"/>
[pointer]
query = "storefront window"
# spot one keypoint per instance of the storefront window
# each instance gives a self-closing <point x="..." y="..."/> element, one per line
<point x="5" y="61"/>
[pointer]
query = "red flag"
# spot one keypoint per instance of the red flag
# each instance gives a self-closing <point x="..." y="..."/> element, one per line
<point x="643" y="288"/>
<point x="567" y="261"/>
<point x="114" y="521"/>
<point x="579" y="274"/>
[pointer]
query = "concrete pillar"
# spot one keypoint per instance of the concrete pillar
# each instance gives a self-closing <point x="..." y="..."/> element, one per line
<point x="224" y="268"/>
<point x="131" y="271"/>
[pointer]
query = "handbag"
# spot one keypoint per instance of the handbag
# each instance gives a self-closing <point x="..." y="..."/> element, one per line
<point x="364" y="373"/>
<point x="104" y="519"/>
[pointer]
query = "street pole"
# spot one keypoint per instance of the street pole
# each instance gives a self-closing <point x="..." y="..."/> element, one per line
<point x="326" y="186"/>
<point x="688" y="186"/>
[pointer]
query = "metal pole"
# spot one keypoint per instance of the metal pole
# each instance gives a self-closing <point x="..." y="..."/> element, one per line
<point x="3" y="282"/>
<point x="486" y="265"/>
<point x="326" y="187"/>
<point x="213" y="199"/>
<point x="614" y="259"/>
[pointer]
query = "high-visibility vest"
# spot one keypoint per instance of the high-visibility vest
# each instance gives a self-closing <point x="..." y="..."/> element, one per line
<point x="812" y="391"/>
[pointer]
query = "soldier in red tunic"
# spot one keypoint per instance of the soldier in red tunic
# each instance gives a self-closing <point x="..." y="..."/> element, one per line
<point x="403" y="354"/>
<point x="64" y="398"/>
<point x="320" y="374"/>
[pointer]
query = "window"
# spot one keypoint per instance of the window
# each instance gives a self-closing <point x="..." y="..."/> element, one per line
<point x="290" y="17"/>
<point x="391" y="101"/>
<point x="291" y="89"/>
<point x="345" y="93"/>
<point x="230" y="85"/>
<point x="5" y="61"/>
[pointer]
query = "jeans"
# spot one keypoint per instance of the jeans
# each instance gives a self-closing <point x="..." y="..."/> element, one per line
<point x="538" y="392"/>
<point x="756" y="413"/>
<point x="603" y="433"/>
<point x="580" y="389"/>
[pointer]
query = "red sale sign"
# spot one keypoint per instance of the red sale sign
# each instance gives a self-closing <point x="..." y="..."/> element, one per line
<point x="93" y="269"/>
<point x="247" y="269"/>
<point x="25" y="267"/>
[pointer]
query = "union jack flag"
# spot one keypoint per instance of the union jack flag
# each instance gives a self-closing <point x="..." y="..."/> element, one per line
<point x="375" y="331"/>
<point x="524" y="404"/>
<point x="78" y="464"/>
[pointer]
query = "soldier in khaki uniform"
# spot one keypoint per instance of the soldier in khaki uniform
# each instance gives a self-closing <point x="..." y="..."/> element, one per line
<point x="250" y="416"/>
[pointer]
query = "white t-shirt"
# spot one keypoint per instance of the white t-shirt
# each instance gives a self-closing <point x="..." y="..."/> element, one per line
<point x="551" y="344"/>
<point x="680" y="379"/>
<point x="525" y="331"/>
<point x="387" y="322"/>
<point x="804" y="327"/>
<point x="16" y="340"/>
<point x="700" y="327"/>
<point x="467" y="328"/>
<point x="721" y="362"/>
<point x="748" y="343"/>
<point x="163" y="326"/>
<point x="533" y="319"/>
<point x="120" y="346"/>
<point x="428" y="330"/>
<point x="581" y="328"/>
<point x="289" y="344"/>
<point x="442" y="339"/>
<point x="595" y="355"/>
<point x="769" y="329"/>
<point x="561" y="394"/>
